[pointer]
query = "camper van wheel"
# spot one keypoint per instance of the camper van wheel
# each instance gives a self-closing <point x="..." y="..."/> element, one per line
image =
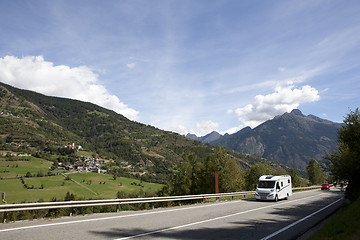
<point x="276" y="198"/>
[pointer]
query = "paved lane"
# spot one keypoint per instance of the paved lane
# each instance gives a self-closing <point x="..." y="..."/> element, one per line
<point x="240" y="219"/>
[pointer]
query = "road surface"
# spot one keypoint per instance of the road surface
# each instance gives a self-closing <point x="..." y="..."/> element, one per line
<point x="238" y="219"/>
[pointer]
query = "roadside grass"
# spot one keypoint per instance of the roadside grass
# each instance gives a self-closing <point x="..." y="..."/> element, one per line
<point x="344" y="224"/>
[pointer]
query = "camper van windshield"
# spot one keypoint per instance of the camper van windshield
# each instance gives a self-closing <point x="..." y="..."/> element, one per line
<point x="266" y="184"/>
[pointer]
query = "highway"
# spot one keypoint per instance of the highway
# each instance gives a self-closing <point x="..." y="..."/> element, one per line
<point x="238" y="219"/>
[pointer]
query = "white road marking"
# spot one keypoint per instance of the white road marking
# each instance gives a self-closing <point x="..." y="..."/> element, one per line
<point x="298" y="221"/>
<point x="211" y="219"/>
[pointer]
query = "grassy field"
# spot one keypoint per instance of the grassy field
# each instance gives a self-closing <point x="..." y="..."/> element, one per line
<point x="82" y="185"/>
<point x="21" y="165"/>
<point x="106" y="187"/>
<point x="89" y="186"/>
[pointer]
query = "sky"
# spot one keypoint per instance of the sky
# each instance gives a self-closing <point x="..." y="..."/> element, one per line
<point x="188" y="66"/>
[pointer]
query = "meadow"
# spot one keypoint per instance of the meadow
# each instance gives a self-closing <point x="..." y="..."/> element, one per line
<point x="19" y="166"/>
<point x="19" y="188"/>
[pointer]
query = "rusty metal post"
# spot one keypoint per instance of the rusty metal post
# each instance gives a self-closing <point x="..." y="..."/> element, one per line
<point x="217" y="184"/>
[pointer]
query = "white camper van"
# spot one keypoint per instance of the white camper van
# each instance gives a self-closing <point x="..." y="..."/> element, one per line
<point x="273" y="187"/>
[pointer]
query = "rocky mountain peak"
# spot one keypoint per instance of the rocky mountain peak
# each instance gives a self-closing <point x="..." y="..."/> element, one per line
<point x="297" y="112"/>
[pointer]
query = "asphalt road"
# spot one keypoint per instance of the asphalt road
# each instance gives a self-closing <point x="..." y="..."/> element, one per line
<point x="238" y="219"/>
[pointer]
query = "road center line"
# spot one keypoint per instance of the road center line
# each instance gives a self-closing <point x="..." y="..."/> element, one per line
<point x="211" y="219"/>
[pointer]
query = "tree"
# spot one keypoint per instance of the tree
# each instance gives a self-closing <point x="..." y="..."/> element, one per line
<point x="196" y="175"/>
<point x="231" y="178"/>
<point x="28" y="175"/>
<point x="344" y="165"/>
<point x="315" y="173"/>
<point x="40" y="174"/>
<point x="190" y="177"/>
<point x="253" y="173"/>
<point x="296" y="180"/>
<point x="69" y="197"/>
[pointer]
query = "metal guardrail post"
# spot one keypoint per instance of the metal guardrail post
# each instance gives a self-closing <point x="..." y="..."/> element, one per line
<point x="5" y="215"/>
<point x="3" y="197"/>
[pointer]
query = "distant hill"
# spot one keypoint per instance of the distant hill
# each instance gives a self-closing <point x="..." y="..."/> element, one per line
<point x="211" y="137"/>
<point x="35" y="123"/>
<point x="291" y="139"/>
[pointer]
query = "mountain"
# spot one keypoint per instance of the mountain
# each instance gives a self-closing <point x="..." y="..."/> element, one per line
<point x="193" y="136"/>
<point x="291" y="139"/>
<point x="211" y="137"/>
<point x="41" y="125"/>
<point x="214" y="137"/>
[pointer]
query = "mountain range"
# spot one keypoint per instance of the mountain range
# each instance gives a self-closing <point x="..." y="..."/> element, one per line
<point x="291" y="139"/>
<point x="37" y="124"/>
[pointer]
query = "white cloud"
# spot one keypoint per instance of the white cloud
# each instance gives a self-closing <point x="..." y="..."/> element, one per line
<point x="81" y="83"/>
<point x="229" y="111"/>
<point x="200" y="129"/>
<point x="205" y="127"/>
<point x="282" y="69"/>
<point x="284" y="99"/>
<point x="325" y="90"/>
<point x="233" y="130"/>
<point x="131" y="65"/>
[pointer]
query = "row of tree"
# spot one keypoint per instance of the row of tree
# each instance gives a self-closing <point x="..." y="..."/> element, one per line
<point x="197" y="175"/>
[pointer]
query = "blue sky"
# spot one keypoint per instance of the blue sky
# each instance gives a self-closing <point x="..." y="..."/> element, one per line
<point x="188" y="66"/>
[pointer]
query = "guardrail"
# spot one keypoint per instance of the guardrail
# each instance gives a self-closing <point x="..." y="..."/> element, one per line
<point x="92" y="203"/>
<point x="306" y="188"/>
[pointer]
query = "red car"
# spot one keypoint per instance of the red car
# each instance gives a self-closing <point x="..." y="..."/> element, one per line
<point x="325" y="186"/>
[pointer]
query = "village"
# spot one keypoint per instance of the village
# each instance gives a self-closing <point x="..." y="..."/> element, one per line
<point x="85" y="164"/>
